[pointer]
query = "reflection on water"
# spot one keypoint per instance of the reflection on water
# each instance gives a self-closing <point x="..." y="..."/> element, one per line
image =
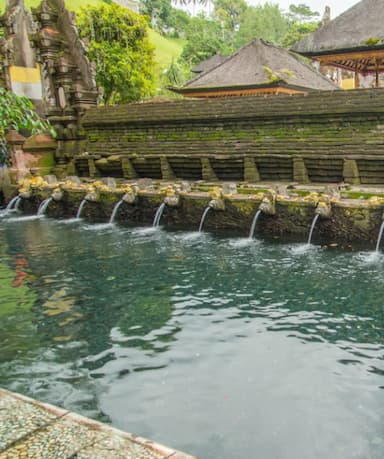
<point x="215" y="346"/>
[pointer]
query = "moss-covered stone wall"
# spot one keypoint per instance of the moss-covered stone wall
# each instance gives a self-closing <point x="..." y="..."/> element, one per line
<point x="322" y="137"/>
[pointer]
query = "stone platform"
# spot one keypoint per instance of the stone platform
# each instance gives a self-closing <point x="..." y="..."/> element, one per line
<point x="34" y="430"/>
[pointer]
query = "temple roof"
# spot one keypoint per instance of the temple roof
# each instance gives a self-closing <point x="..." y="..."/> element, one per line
<point x="360" y="27"/>
<point x="258" y="64"/>
<point x="209" y="63"/>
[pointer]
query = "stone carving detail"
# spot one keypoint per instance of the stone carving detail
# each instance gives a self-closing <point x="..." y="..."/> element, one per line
<point x="68" y="75"/>
<point x="50" y="38"/>
<point x="15" y="47"/>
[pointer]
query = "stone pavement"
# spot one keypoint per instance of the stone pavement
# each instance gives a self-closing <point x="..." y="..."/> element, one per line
<point x="34" y="430"/>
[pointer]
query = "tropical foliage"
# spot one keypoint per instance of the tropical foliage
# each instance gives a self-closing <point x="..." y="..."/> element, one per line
<point x="118" y="43"/>
<point x="17" y="113"/>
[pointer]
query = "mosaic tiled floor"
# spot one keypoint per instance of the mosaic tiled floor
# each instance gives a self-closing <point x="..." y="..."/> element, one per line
<point x="34" y="430"/>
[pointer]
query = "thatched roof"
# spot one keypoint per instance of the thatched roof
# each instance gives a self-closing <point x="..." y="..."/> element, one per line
<point x="261" y="63"/>
<point x="209" y="63"/>
<point x="357" y="28"/>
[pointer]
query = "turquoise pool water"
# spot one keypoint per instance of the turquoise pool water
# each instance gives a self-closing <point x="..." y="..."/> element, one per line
<point x="220" y="347"/>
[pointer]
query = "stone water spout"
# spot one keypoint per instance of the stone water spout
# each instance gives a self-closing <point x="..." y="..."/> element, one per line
<point x="267" y="207"/>
<point x="217" y="201"/>
<point x="92" y="195"/>
<point x="130" y="196"/>
<point x="172" y="197"/>
<point x="324" y="210"/>
<point x="57" y="194"/>
<point x="268" y="204"/>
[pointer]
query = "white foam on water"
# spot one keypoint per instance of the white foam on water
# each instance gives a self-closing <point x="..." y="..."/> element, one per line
<point x="25" y="218"/>
<point x="145" y="231"/>
<point x="369" y="257"/>
<point x="69" y="221"/>
<point x="301" y="248"/>
<point x="99" y="227"/>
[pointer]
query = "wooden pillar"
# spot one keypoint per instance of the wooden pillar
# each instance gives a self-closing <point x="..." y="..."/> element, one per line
<point x="377" y="72"/>
<point x="357" y="82"/>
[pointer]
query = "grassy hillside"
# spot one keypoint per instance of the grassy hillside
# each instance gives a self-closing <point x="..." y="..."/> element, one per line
<point x="166" y="49"/>
<point x="73" y="5"/>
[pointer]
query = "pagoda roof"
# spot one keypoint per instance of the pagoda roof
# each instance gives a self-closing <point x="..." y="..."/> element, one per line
<point x="209" y="63"/>
<point x="359" y="28"/>
<point x="261" y="63"/>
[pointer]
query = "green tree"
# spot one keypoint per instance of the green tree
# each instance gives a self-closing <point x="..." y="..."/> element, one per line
<point x="301" y="13"/>
<point x="229" y="14"/>
<point x="302" y="21"/>
<point x="297" y="32"/>
<point x="119" y="45"/>
<point x="178" y="22"/>
<point x="204" y="39"/>
<point x="17" y="113"/>
<point x="159" y="12"/>
<point x="264" y="21"/>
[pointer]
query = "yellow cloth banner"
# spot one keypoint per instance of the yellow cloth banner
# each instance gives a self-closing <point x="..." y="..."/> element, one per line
<point x="25" y="74"/>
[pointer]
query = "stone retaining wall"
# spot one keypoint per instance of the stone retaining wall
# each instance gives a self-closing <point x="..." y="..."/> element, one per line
<point x="322" y="137"/>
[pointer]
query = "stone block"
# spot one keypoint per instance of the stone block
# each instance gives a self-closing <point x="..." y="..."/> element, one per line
<point x="128" y="169"/>
<point x="251" y="172"/>
<point x="300" y="173"/>
<point x="207" y="171"/>
<point x="351" y="172"/>
<point x="166" y="169"/>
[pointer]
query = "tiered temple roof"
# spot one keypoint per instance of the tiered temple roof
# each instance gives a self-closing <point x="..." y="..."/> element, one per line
<point x="352" y="41"/>
<point x="257" y="68"/>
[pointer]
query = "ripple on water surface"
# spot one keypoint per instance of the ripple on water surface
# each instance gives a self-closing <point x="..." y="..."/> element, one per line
<point x="220" y="347"/>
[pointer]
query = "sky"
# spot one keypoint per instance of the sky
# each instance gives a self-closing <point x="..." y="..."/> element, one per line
<point x="337" y="6"/>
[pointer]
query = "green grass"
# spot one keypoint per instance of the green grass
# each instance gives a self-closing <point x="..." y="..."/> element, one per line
<point x="73" y="5"/>
<point x="166" y="49"/>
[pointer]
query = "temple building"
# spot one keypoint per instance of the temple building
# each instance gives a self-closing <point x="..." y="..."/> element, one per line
<point x="209" y="63"/>
<point x="259" y="68"/>
<point x="353" y="41"/>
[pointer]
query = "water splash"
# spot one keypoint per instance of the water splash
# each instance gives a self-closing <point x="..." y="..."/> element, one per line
<point x="80" y="209"/>
<point x="203" y="218"/>
<point x="314" y="221"/>
<point x="159" y="213"/>
<point x="12" y="204"/>
<point x="253" y="226"/>
<point x="380" y="237"/>
<point x="114" y="212"/>
<point x="43" y="206"/>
